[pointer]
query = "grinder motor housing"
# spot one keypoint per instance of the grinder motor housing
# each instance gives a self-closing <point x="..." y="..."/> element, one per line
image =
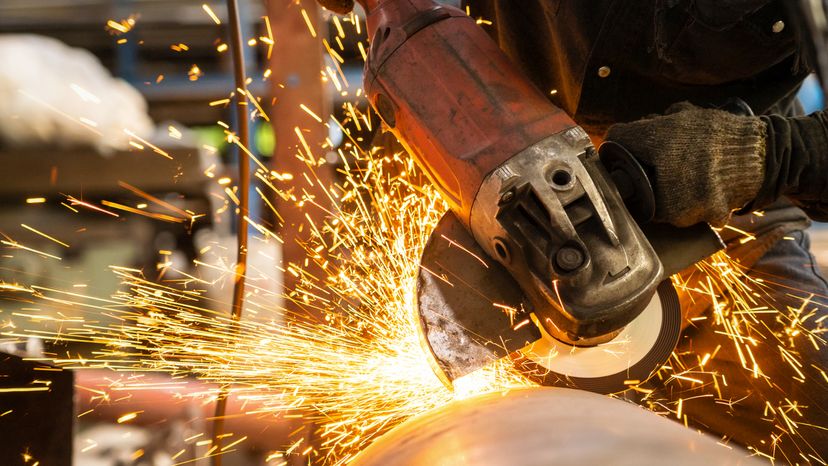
<point x="517" y="172"/>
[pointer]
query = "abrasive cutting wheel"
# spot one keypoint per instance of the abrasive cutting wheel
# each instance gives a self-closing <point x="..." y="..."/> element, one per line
<point x="628" y="359"/>
<point x="462" y="295"/>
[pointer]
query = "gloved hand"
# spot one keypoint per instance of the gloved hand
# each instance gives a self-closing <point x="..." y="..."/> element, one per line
<point x="704" y="163"/>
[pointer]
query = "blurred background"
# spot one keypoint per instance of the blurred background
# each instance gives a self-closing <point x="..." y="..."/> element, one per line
<point x="161" y="197"/>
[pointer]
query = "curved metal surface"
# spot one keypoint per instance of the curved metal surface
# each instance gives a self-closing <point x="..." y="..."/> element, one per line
<point x="546" y="427"/>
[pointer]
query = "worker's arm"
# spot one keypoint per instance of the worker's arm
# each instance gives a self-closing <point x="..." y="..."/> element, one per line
<point x="705" y="163"/>
<point x="796" y="163"/>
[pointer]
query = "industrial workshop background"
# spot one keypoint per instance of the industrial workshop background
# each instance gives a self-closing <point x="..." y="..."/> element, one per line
<point x="101" y="225"/>
<point x="87" y="197"/>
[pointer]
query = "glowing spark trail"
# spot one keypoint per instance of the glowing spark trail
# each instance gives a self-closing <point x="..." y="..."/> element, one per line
<point x="210" y="12"/>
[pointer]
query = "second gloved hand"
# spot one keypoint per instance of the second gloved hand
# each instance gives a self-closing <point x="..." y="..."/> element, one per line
<point x="704" y="163"/>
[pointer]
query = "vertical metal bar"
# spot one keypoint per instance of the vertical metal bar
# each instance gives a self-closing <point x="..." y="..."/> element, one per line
<point x="295" y="81"/>
<point x="243" y="133"/>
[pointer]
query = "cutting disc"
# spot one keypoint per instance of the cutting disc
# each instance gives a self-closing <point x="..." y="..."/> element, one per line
<point x="463" y="296"/>
<point x="629" y="358"/>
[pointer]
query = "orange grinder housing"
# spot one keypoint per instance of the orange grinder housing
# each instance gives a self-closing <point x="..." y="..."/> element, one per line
<point x="517" y="172"/>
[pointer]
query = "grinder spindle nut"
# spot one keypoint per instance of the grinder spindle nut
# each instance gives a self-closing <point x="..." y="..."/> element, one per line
<point x="569" y="258"/>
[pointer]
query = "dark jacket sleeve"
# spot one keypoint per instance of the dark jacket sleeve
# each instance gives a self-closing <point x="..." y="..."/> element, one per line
<point x="796" y="163"/>
<point x="721" y="14"/>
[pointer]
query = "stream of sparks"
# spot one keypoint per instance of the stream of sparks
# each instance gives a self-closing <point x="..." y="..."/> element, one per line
<point x="357" y="374"/>
<point x="363" y="370"/>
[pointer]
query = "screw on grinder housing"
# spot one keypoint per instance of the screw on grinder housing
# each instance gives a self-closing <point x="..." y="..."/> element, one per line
<point x="518" y="173"/>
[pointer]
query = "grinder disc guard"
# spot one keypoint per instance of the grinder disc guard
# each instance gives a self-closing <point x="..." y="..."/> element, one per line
<point x="472" y="312"/>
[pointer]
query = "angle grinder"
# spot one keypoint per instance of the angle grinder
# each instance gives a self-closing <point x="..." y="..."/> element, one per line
<point x="547" y="255"/>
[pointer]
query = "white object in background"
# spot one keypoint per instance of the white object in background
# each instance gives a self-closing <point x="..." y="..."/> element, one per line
<point x="55" y="95"/>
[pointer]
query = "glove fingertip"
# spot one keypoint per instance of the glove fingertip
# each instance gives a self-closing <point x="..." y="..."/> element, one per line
<point x="680" y="107"/>
<point x="720" y="222"/>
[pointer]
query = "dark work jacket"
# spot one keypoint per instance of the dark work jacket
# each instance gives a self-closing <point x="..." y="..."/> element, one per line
<point x="610" y="61"/>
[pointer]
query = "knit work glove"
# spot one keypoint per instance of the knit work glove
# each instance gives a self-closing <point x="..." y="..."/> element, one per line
<point x="703" y="163"/>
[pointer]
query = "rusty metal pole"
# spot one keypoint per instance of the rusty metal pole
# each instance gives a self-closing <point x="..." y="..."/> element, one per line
<point x="244" y="190"/>
<point x="295" y="63"/>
